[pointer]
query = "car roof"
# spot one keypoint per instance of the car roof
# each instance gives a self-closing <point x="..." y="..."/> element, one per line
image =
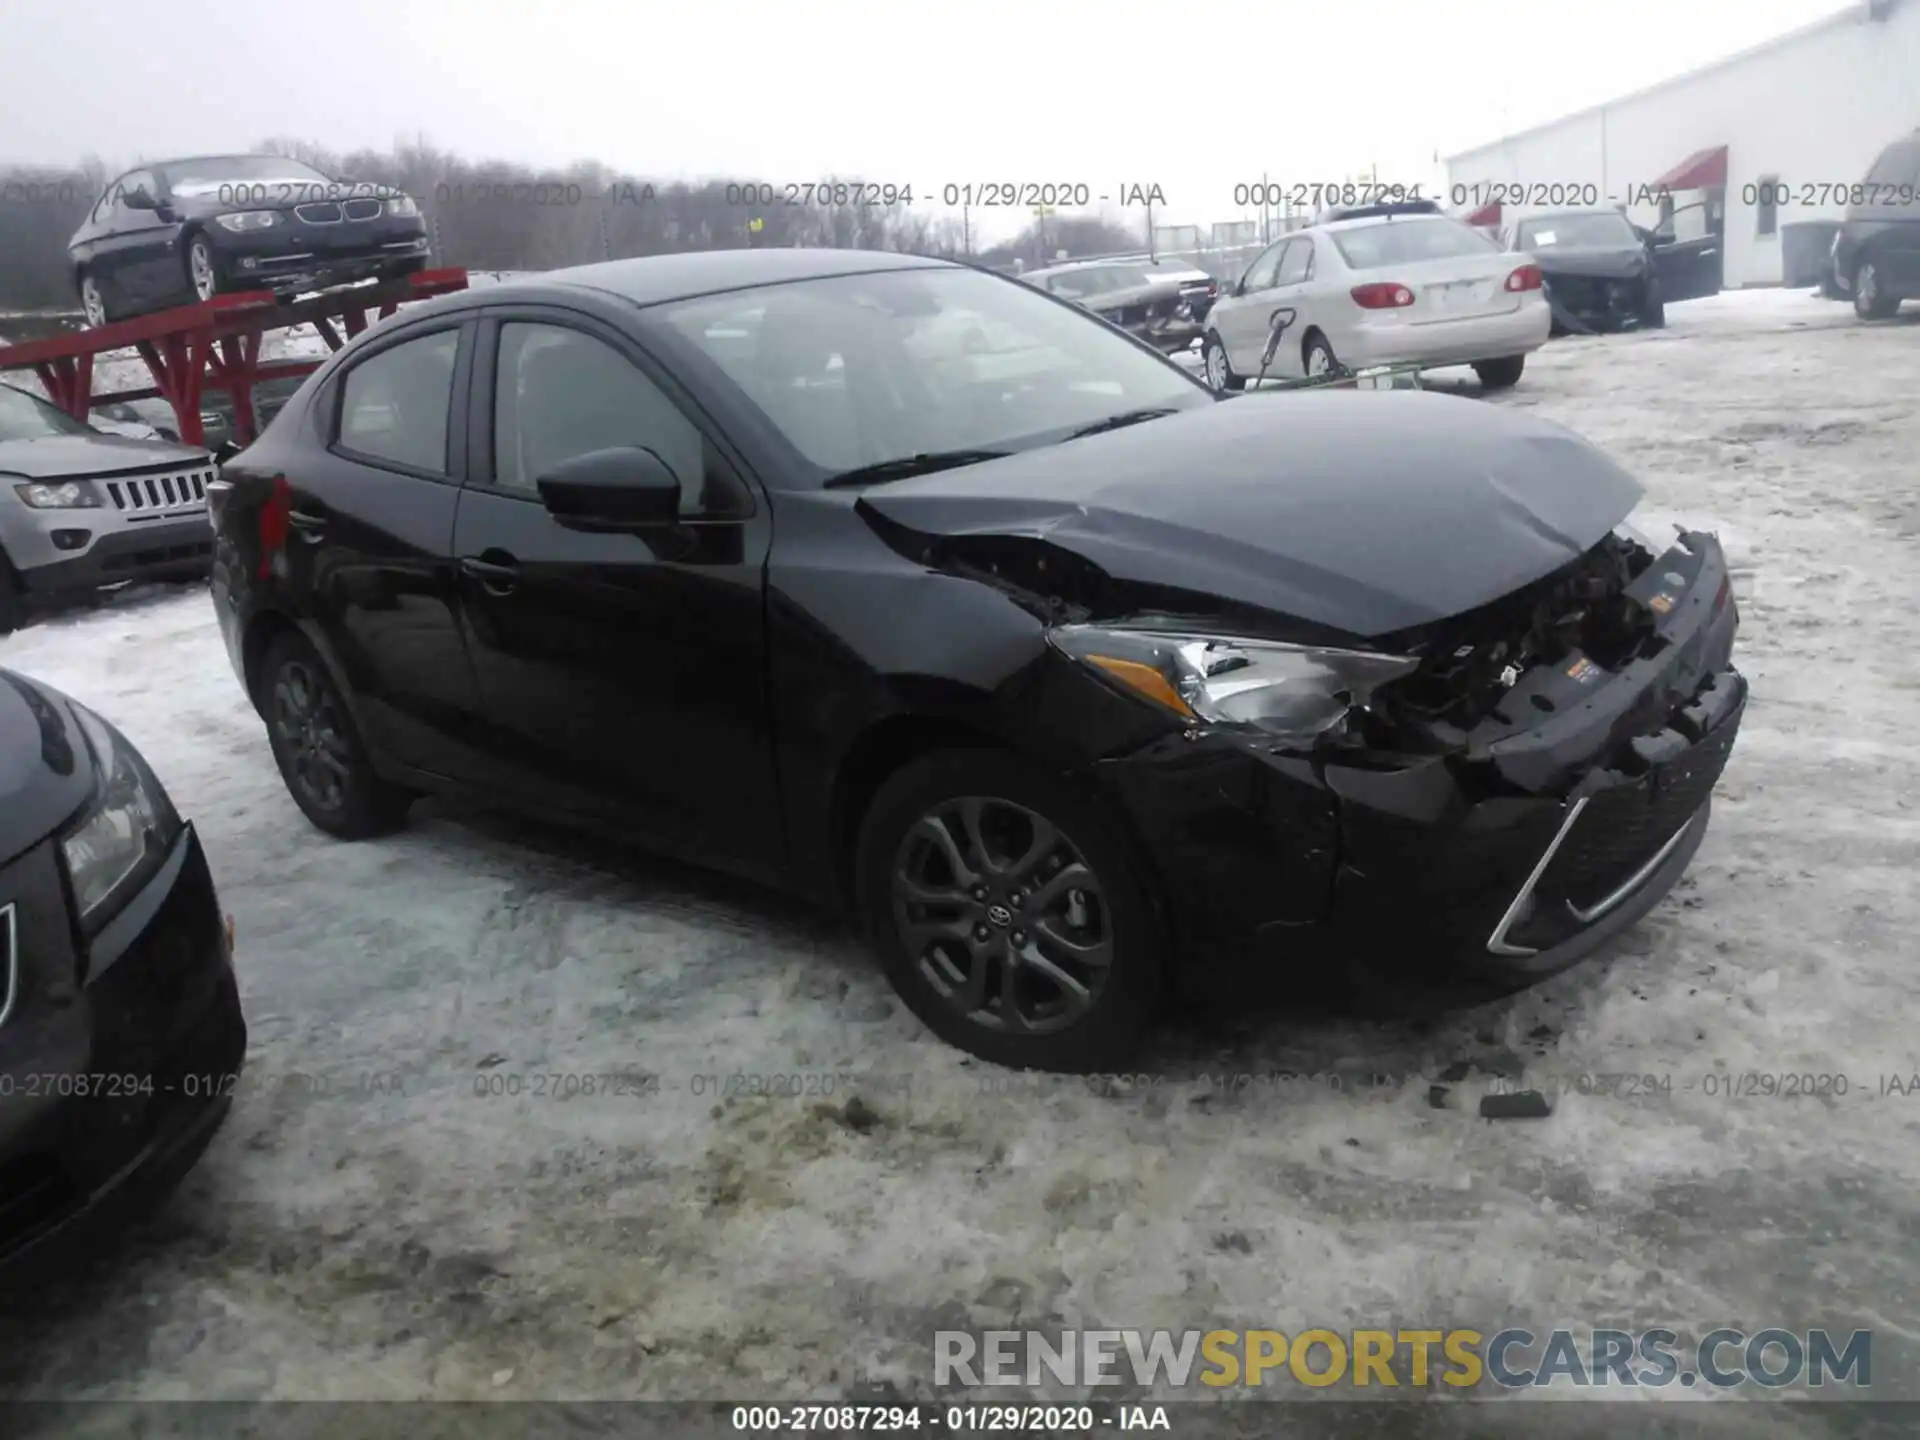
<point x="1067" y="267"/>
<point x="656" y="279"/>
<point x="1570" y="210"/>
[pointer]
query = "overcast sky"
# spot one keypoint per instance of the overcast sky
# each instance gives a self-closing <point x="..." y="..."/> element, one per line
<point x="1192" y="97"/>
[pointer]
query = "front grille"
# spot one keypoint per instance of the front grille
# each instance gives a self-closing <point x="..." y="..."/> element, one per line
<point x="319" y="212"/>
<point x="142" y="496"/>
<point x="362" y="209"/>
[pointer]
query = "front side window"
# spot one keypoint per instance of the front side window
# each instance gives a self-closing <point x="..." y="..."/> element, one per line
<point x="133" y="183"/>
<point x="199" y="177"/>
<point x="856" y="370"/>
<point x="394" y="406"/>
<point x="1408" y="242"/>
<point x="1260" y="274"/>
<point x="559" y="393"/>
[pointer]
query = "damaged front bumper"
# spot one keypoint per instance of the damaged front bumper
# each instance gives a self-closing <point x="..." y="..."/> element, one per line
<point x="1563" y="818"/>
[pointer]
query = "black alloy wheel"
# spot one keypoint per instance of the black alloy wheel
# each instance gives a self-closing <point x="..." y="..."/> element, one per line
<point x="1008" y="912"/>
<point x="318" y="750"/>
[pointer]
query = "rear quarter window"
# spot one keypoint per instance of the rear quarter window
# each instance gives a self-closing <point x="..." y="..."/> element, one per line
<point x="395" y="405"/>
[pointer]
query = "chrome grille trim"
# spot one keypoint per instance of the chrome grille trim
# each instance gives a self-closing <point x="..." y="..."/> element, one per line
<point x="363" y="209"/>
<point x="182" y="492"/>
<point x="319" y="212"/>
<point x="9" y="961"/>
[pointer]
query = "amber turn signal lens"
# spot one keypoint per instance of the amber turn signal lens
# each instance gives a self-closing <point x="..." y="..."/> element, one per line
<point x="1147" y="680"/>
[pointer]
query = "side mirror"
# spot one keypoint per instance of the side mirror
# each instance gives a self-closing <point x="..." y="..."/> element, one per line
<point x="624" y="488"/>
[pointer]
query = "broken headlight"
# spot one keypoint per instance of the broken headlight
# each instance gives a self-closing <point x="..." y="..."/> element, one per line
<point x="1295" y="692"/>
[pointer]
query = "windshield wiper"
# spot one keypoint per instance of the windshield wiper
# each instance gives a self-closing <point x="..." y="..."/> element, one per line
<point x="905" y="467"/>
<point x="1125" y="418"/>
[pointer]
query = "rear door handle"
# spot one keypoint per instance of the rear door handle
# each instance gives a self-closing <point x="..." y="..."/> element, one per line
<point x="495" y="577"/>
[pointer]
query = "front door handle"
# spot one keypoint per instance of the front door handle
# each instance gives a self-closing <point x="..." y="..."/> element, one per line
<point x="496" y="577"/>
<point x="312" y="527"/>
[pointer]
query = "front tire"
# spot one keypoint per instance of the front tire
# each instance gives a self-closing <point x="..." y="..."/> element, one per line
<point x="1871" y="299"/>
<point x="1219" y="368"/>
<point x="1008" y="913"/>
<point x="321" y="756"/>
<point x="93" y="301"/>
<point x="204" y="274"/>
<point x="1502" y="374"/>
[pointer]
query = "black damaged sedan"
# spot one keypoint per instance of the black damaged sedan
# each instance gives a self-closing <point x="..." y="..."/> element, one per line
<point x="121" y="1036"/>
<point x="916" y="591"/>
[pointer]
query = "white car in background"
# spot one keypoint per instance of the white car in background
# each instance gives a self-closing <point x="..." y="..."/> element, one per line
<point x="1380" y="285"/>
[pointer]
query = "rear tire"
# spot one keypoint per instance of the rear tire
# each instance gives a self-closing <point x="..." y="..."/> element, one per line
<point x="321" y="756"/>
<point x="1317" y="358"/>
<point x="1219" y="368"/>
<point x="1502" y="374"/>
<point x="1871" y="299"/>
<point x="1074" y="885"/>
<point x="1654" y="317"/>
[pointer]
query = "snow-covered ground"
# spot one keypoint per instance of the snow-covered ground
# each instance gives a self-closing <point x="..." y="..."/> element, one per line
<point x="374" y="1222"/>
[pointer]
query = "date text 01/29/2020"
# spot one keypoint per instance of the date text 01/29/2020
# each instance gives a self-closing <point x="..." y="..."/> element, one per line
<point x="1064" y="1419"/>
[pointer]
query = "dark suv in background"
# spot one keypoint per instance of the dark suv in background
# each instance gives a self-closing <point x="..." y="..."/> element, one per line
<point x="1876" y="253"/>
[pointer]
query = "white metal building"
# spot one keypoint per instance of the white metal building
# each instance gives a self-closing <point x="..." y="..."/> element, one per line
<point x="1793" y="121"/>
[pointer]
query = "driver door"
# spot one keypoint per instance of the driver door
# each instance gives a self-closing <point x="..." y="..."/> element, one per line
<point x="1690" y="268"/>
<point x="623" y="674"/>
<point x="1242" y="326"/>
<point x="1293" y="290"/>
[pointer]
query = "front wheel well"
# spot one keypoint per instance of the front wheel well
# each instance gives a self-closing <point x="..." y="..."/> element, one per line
<point x="875" y="756"/>
<point x="1313" y="333"/>
<point x="262" y="631"/>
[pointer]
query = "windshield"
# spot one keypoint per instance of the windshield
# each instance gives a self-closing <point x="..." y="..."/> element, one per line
<point x="861" y="369"/>
<point x="1607" y="229"/>
<point x="224" y="169"/>
<point x="28" y="417"/>
<point x="1406" y="242"/>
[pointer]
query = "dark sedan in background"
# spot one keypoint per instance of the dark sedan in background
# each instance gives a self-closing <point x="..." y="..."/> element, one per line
<point x="915" y="590"/>
<point x="121" y="1034"/>
<point x="1604" y="273"/>
<point x="1164" y="302"/>
<point x="184" y="230"/>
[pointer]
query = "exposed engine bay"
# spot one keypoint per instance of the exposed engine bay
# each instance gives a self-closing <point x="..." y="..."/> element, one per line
<point x="1473" y="662"/>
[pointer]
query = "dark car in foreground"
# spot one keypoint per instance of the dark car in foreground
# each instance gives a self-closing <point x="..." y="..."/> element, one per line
<point x="912" y="589"/>
<point x="121" y="1035"/>
<point x="1876" y="251"/>
<point x="1599" y="272"/>
<point x="80" y="509"/>
<point x="1164" y="302"/>
<point x="179" y="231"/>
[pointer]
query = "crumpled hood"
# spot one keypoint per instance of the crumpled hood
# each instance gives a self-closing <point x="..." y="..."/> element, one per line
<point x="74" y="457"/>
<point x="1366" y="512"/>
<point x="46" y="771"/>
<point x="1611" y="262"/>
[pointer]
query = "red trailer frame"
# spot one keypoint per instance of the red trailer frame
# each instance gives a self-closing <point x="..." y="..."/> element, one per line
<point x="215" y="342"/>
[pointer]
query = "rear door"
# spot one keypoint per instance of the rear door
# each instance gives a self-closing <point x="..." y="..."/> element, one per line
<point x="624" y="673"/>
<point x="1691" y="267"/>
<point x="363" y="517"/>
<point x="1294" y="289"/>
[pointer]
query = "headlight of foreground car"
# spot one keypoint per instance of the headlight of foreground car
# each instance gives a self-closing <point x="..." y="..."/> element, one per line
<point x="124" y="836"/>
<point x="1293" y="692"/>
<point x="60" y="495"/>
<point x="402" y="206"/>
<point x="243" y="220"/>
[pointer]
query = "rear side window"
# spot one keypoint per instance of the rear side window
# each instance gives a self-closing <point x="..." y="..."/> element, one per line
<point x="394" y="406"/>
<point x="1406" y="242"/>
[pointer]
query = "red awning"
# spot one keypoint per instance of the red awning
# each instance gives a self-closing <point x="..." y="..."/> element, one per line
<point x="1487" y="214"/>
<point x="1698" y="171"/>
